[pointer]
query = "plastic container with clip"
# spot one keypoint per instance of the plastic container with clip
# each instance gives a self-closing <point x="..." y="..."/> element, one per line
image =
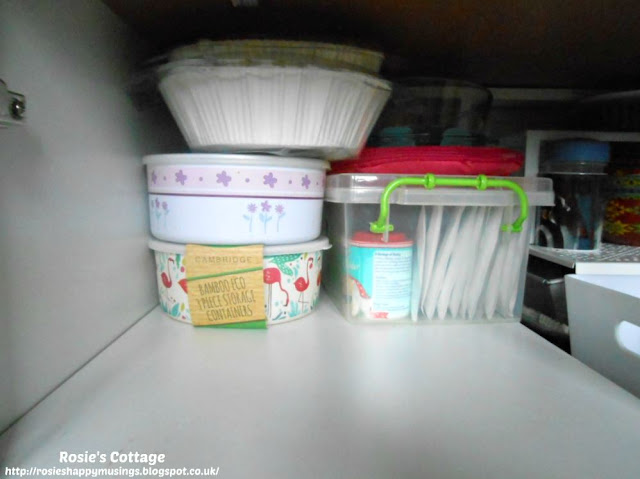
<point x="470" y="237"/>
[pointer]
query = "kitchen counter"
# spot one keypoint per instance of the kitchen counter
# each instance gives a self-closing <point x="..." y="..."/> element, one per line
<point x="320" y="397"/>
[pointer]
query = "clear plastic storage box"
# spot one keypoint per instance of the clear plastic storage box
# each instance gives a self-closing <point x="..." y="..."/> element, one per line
<point x="430" y="248"/>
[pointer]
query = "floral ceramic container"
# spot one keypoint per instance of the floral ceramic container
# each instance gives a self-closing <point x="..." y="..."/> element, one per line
<point x="292" y="276"/>
<point x="235" y="199"/>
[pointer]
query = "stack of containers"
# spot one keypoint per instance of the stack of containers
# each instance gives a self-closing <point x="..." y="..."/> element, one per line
<point x="433" y="125"/>
<point x="418" y="239"/>
<point x="262" y="118"/>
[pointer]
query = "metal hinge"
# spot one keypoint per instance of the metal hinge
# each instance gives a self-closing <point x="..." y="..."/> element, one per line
<point x="13" y="107"/>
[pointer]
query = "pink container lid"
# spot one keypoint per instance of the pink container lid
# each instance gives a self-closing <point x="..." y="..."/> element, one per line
<point x="449" y="160"/>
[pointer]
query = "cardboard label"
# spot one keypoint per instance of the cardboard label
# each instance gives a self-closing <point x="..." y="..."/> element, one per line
<point x="225" y="284"/>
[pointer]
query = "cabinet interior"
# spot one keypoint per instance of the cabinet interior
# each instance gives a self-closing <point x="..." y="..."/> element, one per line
<point x="588" y="44"/>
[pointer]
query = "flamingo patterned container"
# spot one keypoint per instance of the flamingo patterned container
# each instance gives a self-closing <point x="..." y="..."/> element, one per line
<point x="235" y="199"/>
<point x="292" y="276"/>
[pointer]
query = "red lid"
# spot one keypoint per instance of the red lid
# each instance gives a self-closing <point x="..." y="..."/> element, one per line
<point x="366" y="238"/>
<point x="439" y="160"/>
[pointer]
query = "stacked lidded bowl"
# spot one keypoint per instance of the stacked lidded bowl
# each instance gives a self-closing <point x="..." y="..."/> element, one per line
<point x="299" y="98"/>
<point x="243" y="105"/>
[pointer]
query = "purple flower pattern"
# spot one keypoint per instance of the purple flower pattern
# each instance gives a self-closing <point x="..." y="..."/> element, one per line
<point x="181" y="177"/>
<point x="270" y="180"/>
<point x="223" y="178"/>
<point x="154" y="177"/>
<point x="279" y="209"/>
<point x="264" y="215"/>
<point x="251" y="208"/>
<point x="157" y="212"/>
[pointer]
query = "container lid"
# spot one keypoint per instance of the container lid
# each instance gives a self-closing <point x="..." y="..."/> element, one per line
<point x="575" y="155"/>
<point x="236" y="160"/>
<point x="367" y="188"/>
<point x="210" y="67"/>
<point x="322" y="243"/>
<point x="366" y="238"/>
<point x="281" y="52"/>
<point x="440" y="160"/>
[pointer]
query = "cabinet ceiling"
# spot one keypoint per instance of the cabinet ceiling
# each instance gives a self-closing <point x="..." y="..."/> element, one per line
<point x="520" y="43"/>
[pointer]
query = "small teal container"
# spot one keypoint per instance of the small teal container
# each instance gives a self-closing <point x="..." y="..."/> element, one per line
<point x="379" y="275"/>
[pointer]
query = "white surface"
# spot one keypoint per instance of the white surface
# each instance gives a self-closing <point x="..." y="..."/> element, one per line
<point x="534" y="139"/>
<point x="321" y="397"/>
<point x="597" y="306"/>
<point x="74" y="264"/>
<point x="610" y="259"/>
<point x="227" y="220"/>
<point x="629" y="285"/>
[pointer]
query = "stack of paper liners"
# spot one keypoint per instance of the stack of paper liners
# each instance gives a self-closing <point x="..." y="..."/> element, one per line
<point x="273" y="109"/>
<point x="465" y="266"/>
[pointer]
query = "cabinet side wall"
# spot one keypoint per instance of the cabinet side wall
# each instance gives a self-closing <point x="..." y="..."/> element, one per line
<point x="75" y="271"/>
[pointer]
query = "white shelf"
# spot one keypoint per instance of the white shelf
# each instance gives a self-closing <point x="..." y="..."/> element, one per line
<point x="609" y="259"/>
<point x="321" y="397"/>
<point x="534" y="139"/>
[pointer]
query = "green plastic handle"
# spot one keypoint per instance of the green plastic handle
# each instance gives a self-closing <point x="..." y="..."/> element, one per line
<point x="430" y="181"/>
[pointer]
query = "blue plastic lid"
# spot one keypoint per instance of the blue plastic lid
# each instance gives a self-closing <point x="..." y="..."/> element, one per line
<point x="590" y="151"/>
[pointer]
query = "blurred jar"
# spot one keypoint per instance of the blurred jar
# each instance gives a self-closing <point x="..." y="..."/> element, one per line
<point x="433" y="111"/>
<point x="577" y="168"/>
